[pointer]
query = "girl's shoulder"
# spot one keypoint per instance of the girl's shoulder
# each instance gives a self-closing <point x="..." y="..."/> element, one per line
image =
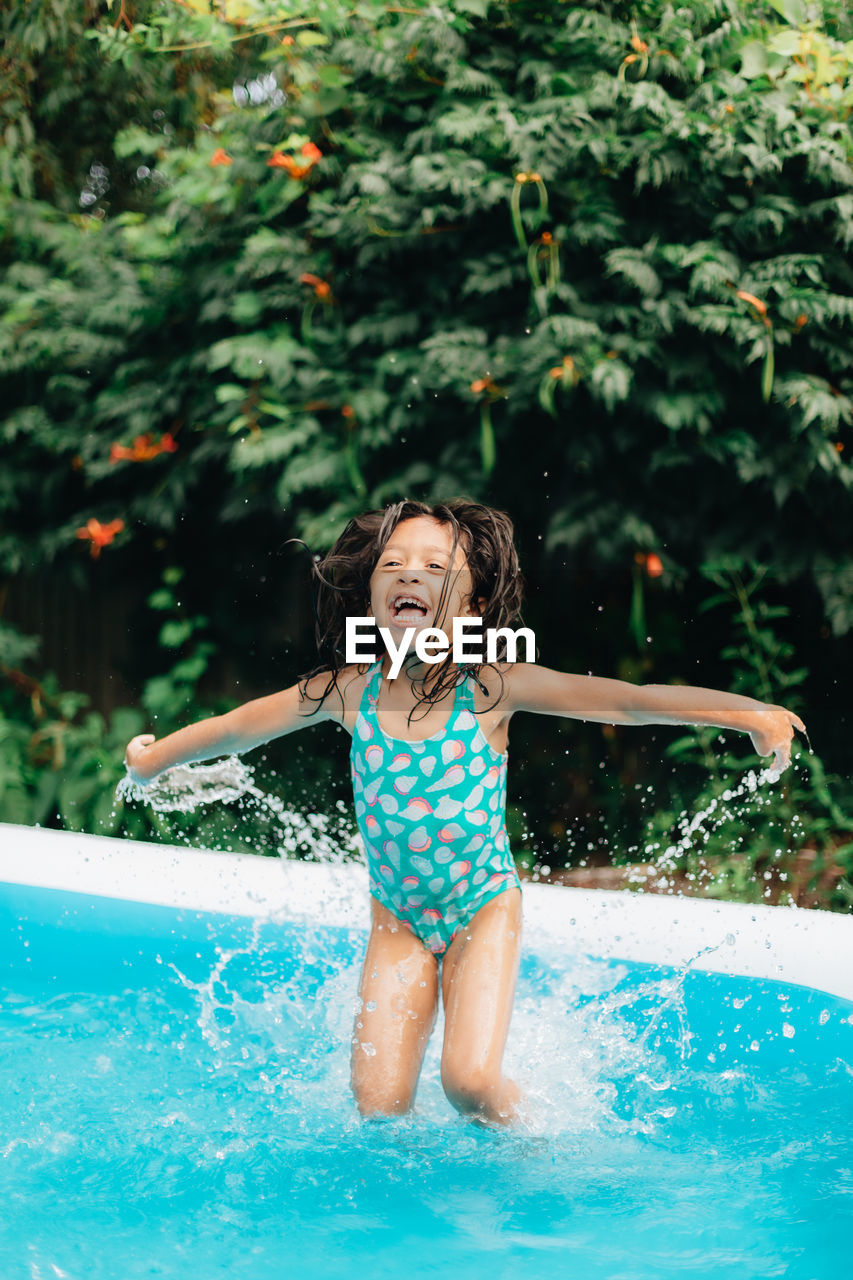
<point x="493" y="687"/>
<point x="337" y="693"/>
<point x="506" y="685"/>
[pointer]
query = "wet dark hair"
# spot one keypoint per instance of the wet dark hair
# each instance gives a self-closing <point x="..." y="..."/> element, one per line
<point x="342" y="585"/>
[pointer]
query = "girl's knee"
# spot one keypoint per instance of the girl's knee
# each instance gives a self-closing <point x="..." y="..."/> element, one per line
<point x="377" y="1098"/>
<point x="468" y="1090"/>
<point x="486" y="1095"/>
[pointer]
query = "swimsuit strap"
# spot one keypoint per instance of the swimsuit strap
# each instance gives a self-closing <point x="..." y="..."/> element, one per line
<point x="465" y="690"/>
<point x="463" y="698"/>
<point x="371" y="684"/>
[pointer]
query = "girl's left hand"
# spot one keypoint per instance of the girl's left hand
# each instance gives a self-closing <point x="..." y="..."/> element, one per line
<point x="774" y="736"/>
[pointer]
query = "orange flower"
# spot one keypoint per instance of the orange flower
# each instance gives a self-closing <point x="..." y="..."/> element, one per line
<point x="278" y="160"/>
<point x="348" y="411"/>
<point x="144" y="448"/>
<point x="568" y="366"/>
<point x="220" y="156"/>
<point x="546" y="237"/>
<point x="99" y="535"/>
<point x="288" y="40"/>
<point x="651" y="562"/>
<point x="760" y="307"/>
<point x="639" y="45"/>
<point x="322" y="289"/>
<point x="490" y="387"/>
<point x="800" y="321"/>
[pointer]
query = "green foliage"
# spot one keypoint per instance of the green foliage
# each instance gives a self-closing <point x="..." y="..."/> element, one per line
<point x="437" y="138"/>
<point x="261" y="269"/>
<point x="59" y="760"/>
<point x="747" y="842"/>
<point x="171" y="698"/>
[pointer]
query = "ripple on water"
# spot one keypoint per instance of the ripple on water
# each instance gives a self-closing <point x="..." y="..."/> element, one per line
<point x="194" y="1112"/>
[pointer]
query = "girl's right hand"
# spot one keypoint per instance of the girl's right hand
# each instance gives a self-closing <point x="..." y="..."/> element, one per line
<point x="134" y="758"/>
<point x="773" y="736"/>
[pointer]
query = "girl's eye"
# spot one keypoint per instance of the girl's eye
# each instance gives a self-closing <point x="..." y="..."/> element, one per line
<point x="390" y="564"/>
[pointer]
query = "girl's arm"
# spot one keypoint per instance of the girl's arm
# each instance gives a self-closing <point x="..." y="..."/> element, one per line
<point x="233" y="733"/>
<point x="535" y="688"/>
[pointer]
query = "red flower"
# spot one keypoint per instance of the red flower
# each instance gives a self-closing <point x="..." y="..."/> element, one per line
<point x="568" y="366"/>
<point x="99" y="535"/>
<point x="278" y="160"/>
<point x="322" y="289"/>
<point x="760" y="307"/>
<point x="651" y="561"/>
<point x="144" y="448"/>
<point x="220" y="156"/>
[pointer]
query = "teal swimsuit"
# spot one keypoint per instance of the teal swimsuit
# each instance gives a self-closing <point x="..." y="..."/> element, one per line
<point x="432" y="815"/>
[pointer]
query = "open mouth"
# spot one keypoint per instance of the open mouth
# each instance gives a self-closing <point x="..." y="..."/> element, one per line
<point x="408" y="608"/>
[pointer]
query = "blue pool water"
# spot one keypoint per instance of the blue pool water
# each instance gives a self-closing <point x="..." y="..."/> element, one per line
<point x="176" y="1103"/>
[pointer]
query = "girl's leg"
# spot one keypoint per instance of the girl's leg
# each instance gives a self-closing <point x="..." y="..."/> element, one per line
<point x="399" y="998"/>
<point x="478" y="985"/>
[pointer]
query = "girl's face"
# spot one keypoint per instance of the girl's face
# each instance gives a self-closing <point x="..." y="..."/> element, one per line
<point x="409" y="577"/>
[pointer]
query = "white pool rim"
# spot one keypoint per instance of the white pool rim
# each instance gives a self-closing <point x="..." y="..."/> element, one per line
<point x="805" y="947"/>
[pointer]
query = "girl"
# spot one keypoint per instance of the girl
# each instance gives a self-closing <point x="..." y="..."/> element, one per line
<point x="430" y="784"/>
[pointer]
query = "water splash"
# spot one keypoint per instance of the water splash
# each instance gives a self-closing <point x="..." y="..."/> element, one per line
<point x="694" y="830"/>
<point x="184" y="788"/>
<point x="324" y="837"/>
